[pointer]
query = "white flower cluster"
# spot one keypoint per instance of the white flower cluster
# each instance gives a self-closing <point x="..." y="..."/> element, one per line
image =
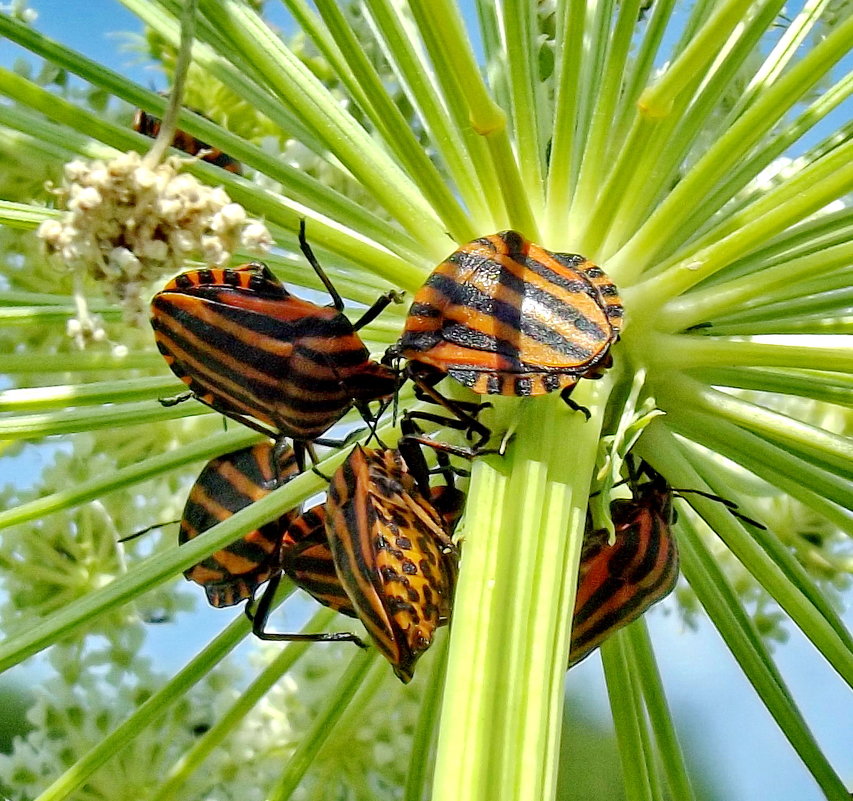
<point x="128" y="223"/>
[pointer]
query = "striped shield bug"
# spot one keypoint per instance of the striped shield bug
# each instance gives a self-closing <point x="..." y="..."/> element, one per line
<point x="149" y="125"/>
<point x="226" y="485"/>
<point x="378" y="550"/>
<point x="504" y="316"/>
<point x="618" y="582"/>
<point x="249" y="349"/>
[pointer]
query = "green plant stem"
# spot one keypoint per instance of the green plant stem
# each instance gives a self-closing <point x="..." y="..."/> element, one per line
<point x="73" y="778"/>
<point x="775" y="544"/>
<point x="563" y="167"/>
<point x="414" y="74"/>
<point x="639" y="71"/>
<point x="395" y="129"/>
<point x="68" y="421"/>
<point x="24" y="216"/>
<point x="819" y="489"/>
<point x="418" y="776"/>
<point x="526" y="91"/>
<point x="658" y="100"/>
<point x="628" y="718"/>
<point x="827" y="387"/>
<point x="681" y="202"/>
<point x="169" y="123"/>
<point x="781" y="55"/>
<point x="453" y="58"/>
<point x="509" y="642"/>
<point x="193" y="759"/>
<point x="687" y="352"/>
<point x="831" y="451"/>
<point x="61" y="397"/>
<point x="663" y="450"/>
<point x="737" y="629"/>
<point x="292" y="81"/>
<point x="335" y="706"/>
<point x="593" y="165"/>
<point x="646" y="670"/>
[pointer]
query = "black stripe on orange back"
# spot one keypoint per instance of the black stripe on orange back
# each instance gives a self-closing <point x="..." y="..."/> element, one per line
<point x="509" y="312"/>
<point x="350" y="538"/>
<point x="254" y="277"/>
<point x="632" y="556"/>
<point x="307" y="559"/>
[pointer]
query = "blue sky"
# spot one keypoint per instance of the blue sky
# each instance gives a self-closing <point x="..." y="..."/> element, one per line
<point x="706" y="688"/>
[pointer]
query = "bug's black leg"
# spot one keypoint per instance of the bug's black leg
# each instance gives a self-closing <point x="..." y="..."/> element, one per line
<point x="176" y="399"/>
<point x="379" y="305"/>
<point x="472" y="425"/>
<point x="575" y="407"/>
<point x="312" y="260"/>
<point x="261" y="614"/>
<point x="146" y="530"/>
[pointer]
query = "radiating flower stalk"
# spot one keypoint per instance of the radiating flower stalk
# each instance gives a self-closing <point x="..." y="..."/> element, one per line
<point x="660" y="142"/>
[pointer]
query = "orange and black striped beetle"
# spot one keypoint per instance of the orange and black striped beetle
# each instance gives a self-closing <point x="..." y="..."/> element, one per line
<point x="251" y="350"/>
<point x="378" y="549"/>
<point x="503" y="316"/>
<point x="149" y="125"/>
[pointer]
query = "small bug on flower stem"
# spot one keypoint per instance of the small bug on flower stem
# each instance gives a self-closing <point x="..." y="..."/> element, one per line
<point x="226" y="485"/>
<point x="149" y="125"/>
<point x="281" y="365"/>
<point x="378" y="550"/>
<point x="503" y="316"/>
<point x="618" y="582"/>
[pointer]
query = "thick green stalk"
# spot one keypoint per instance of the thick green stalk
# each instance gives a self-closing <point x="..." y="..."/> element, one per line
<point x="509" y="643"/>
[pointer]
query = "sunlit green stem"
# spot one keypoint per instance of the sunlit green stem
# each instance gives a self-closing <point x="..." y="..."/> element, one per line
<point x="562" y="169"/>
<point x="657" y="100"/>
<point x="348" y="685"/>
<point x="636" y="636"/>
<point x="629" y="719"/>
<point x="70" y="781"/>
<point x="732" y="296"/>
<point x="509" y="643"/>
<point x="731" y="146"/>
<point x="453" y="58"/>
<point x="413" y="70"/>
<point x="520" y="29"/>
<point x="737" y="629"/>
<point x="228" y="721"/>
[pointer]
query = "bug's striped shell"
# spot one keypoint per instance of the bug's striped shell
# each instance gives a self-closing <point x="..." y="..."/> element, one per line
<point x="149" y="125"/>
<point x="392" y="552"/>
<point x="226" y="485"/>
<point x="504" y="316"/>
<point x="617" y="583"/>
<point x="249" y="349"/>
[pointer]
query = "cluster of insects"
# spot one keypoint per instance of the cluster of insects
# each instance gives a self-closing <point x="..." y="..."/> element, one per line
<point x="502" y="316"/>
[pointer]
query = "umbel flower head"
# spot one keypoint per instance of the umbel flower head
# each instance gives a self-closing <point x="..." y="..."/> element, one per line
<point x="128" y="222"/>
